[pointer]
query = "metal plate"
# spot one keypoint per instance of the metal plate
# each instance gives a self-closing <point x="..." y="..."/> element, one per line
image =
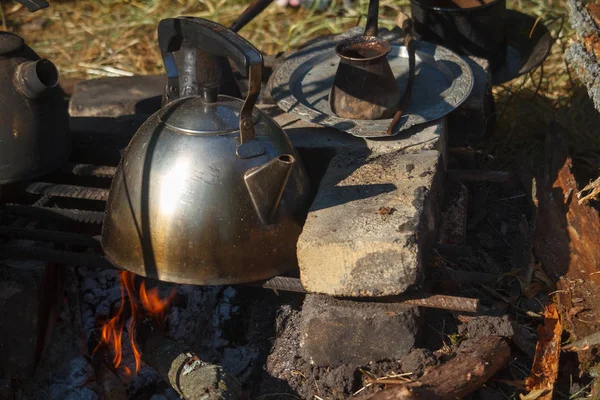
<point x="301" y="84"/>
<point x="526" y="50"/>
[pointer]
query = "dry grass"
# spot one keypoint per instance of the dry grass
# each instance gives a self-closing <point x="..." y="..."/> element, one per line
<point x="84" y="37"/>
<point x="89" y="38"/>
<point x="527" y="105"/>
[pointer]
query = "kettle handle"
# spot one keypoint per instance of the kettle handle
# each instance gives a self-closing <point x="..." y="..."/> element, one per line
<point x="217" y="40"/>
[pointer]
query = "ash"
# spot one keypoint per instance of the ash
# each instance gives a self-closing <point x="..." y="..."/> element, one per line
<point x="224" y="325"/>
<point x="252" y="333"/>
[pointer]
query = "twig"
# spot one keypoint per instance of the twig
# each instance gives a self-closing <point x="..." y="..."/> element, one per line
<point x="593" y="188"/>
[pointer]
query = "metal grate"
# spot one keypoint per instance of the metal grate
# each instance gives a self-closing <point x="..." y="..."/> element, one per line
<point x="58" y="218"/>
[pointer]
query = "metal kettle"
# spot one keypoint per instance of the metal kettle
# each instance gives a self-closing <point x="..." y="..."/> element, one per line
<point x="34" y="118"/>
<point x="210" y="190"/>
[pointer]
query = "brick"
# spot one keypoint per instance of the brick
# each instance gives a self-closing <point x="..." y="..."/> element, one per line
<point x="475" y="118"/>
<point x="370" y="229"/>
<point x="115" y="104"/>
<point x="335" y="332"/>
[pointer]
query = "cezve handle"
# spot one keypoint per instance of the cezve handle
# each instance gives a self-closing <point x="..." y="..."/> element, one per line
<point x="215" y="39"/>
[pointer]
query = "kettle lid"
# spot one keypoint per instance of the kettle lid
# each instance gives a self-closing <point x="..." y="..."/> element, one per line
<point x="9" y="42"/>
<point x="194" y="116"/>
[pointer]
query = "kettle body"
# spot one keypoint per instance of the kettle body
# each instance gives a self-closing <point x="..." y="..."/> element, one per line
<point x="210" y="190"/>
<point x="34" y="129"/>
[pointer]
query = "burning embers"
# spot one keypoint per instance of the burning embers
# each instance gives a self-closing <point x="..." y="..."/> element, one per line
<point x="146" y="305"/>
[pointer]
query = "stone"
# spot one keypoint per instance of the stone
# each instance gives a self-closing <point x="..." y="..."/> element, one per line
<point x="474" y="119"/>
<point x="335" y="332"/>
<point x="372" y="225"/>
<point x="89" y="297"/>
<point x="117" y="97"/>
<point x="106" y="112"/>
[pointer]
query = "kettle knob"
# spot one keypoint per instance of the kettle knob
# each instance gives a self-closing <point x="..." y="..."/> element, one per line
<point x="214" y="40"/>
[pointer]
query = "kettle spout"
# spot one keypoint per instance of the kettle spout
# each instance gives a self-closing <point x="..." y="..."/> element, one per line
<point x="266" y="184"/>
<point x="35" y="77"/>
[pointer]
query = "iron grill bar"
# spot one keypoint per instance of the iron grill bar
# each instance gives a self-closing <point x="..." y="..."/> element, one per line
<point x="97" y="171"/>
<point x="70" y="191"/>
<point x="11" y="252"/>
<point x="82" y="216"/>
<point x="68" y="238"/>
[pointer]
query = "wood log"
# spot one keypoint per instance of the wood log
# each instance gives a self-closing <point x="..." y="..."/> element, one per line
<point x="469" y="370"/>
<point x="49" y="305"/>
<point x="110" y="385"/>
<point x="189" y="376"/>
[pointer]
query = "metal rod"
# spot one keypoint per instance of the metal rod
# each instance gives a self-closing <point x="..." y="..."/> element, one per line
<point x="453" y="303"/>
<point x="76" y="239"/>
<point x="284" y="283"/>
<point x="50" y="255"/>
<point x="481" y="176"/>
<point x="255" y="8"/>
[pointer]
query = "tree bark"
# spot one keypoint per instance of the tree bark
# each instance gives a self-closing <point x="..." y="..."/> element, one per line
<point x="469" y="370"/>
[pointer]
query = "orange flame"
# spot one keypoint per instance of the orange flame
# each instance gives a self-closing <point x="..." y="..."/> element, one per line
<point x="152" y="302"/>
<point x="111" y="332"/>
<point x="127" y="278"/>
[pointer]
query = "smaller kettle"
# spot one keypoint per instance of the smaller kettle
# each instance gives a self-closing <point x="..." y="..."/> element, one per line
<point x="210" y="190"/>
<point x="34" y="118"/>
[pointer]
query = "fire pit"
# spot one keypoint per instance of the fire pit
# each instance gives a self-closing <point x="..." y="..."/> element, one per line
<point x="375" y="201"/>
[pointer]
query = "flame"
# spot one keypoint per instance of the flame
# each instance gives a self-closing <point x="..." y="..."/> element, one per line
<point x="152" y="302"/>
<point x="112" y="331"/>
<point x="127" y="278"/>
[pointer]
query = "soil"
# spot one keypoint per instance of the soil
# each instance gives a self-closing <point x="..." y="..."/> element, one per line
<point x="479" y="327"/>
